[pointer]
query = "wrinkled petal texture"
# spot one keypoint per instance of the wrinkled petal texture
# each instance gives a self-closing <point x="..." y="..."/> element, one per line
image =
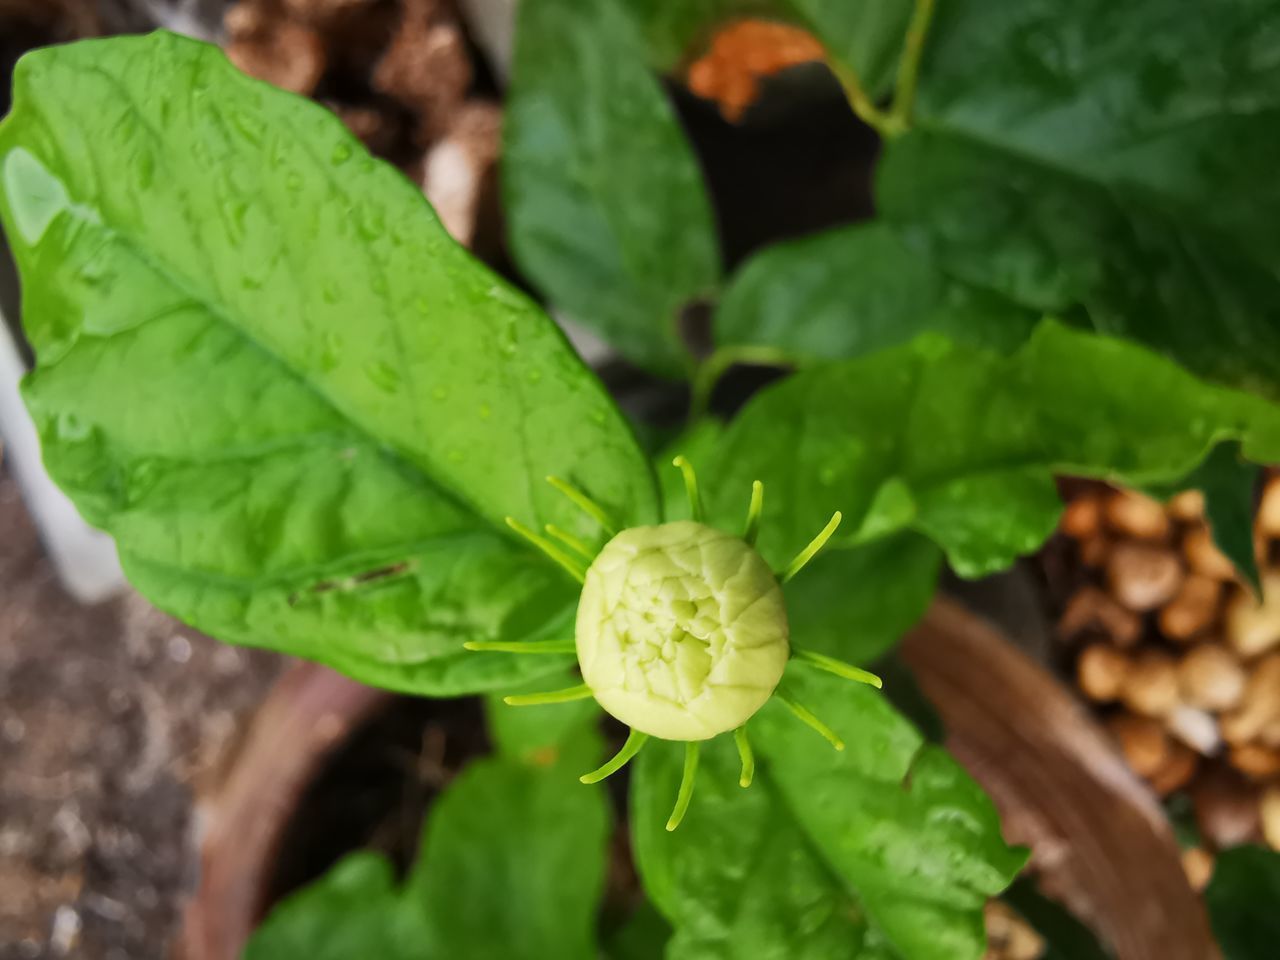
<point x="682" y="630"/>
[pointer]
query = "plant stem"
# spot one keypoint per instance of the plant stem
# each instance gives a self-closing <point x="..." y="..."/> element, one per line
<point x="580" y="692"/>
<point x="522" y="646"/>
<point x="635" y="740"/>
<point x="841" y="669"/>
<point x="867" y="111"/>
<point x="716" y="365"/>
<point x="686" y="785"/>
<point x="904" y="90"/>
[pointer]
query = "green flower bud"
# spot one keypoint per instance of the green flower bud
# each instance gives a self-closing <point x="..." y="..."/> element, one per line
<point x="681" y="631"/>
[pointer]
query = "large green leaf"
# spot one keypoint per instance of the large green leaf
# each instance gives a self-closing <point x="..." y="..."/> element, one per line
<point x="355" y="910"/>
<point x="264" y="368"/>
<point x="677" y="32"/>
<point x="884" y="850"/>
<point x="1116" y="159"/>
<point x="607" y="209"/>
<point x="865" y="35"/>
<point x="512" y="866"/>
<point x="962" y="444"/>
<point x="1242" y="898"/>
<point x="857" y="602"/>
<point x="852" y="291"/>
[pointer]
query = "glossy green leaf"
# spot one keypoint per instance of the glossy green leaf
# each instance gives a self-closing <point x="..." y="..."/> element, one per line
<point x="676" y="33"/>
<point x="852" y="291"/>
<point x="1115" y="160"/>
<point x="608" y="214"/>
<point x="354" y="910"/>
<point x="857" y="602"/>
<point x="1229" y="485"/>
<point x="513" y="864"/>
<point x="865" y="35"/>
<point x="962" y="444"/>
<point x="1242" y="898"/>
<point x="565" y="733"/>
<point x="263" y="366"/>
<point x="884" y="850"/>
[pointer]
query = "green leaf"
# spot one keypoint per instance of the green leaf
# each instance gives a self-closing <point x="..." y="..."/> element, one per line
<point x="607" y="210"/>
<point x="299" y="407"/>
<point x="513" y="864"/>
<point x="856" y="603"/>
<point x="677" y="32"/>
<point x="564" y="733"/>
<point x="354" y="910"/>
<point x="884" y="850"/>
<point x="852" y="291"/>
<point x="866" y="36"/>
<point x="962" y="444"/>
<point x="1242" y="898"/>
<point x="1111" y="160"/>
<point x="1229" y="484"/>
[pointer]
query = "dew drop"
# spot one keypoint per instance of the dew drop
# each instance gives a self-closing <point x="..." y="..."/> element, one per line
<point x="486" y="411"/>
<point x="457" y="456"/>
<point x="372" y="223"/>
<point x="331" y="352"/>
<point x="439" y="393"/>
<point x="71" y="427"/>
<point x="341" y="153"/>
<point x="535" y="375"/>
<point x="383" y="376"/>
<point x="145" y="169"/>
<point x="249" y="126"/>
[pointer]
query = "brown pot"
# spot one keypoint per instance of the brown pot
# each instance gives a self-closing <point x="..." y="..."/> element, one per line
<point x="307" y="715"/>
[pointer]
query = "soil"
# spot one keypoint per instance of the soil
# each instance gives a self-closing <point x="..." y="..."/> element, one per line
<point x="113" y="718"/>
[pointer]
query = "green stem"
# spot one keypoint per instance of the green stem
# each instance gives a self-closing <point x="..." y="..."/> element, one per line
<point x="585" y="504"/>
<point x="719" y="363"/>
<point x="807" y="717"/>
<point x="904" y="91"/>
<point x="580" y="692"/>
<point x="841" y="669"/>
<point x="522" y="646"/>
<point x="549" y="549"/>
<point x="867" y="111"/>
<point x="690" y="487"/>
<point x="635" y="740"/>
<point x="570" y="541"/>
<point x="686" y="784"/>
<point x="754" y="510"/>
<point x="747" y="756"/>
<point x="816" y="544"/>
